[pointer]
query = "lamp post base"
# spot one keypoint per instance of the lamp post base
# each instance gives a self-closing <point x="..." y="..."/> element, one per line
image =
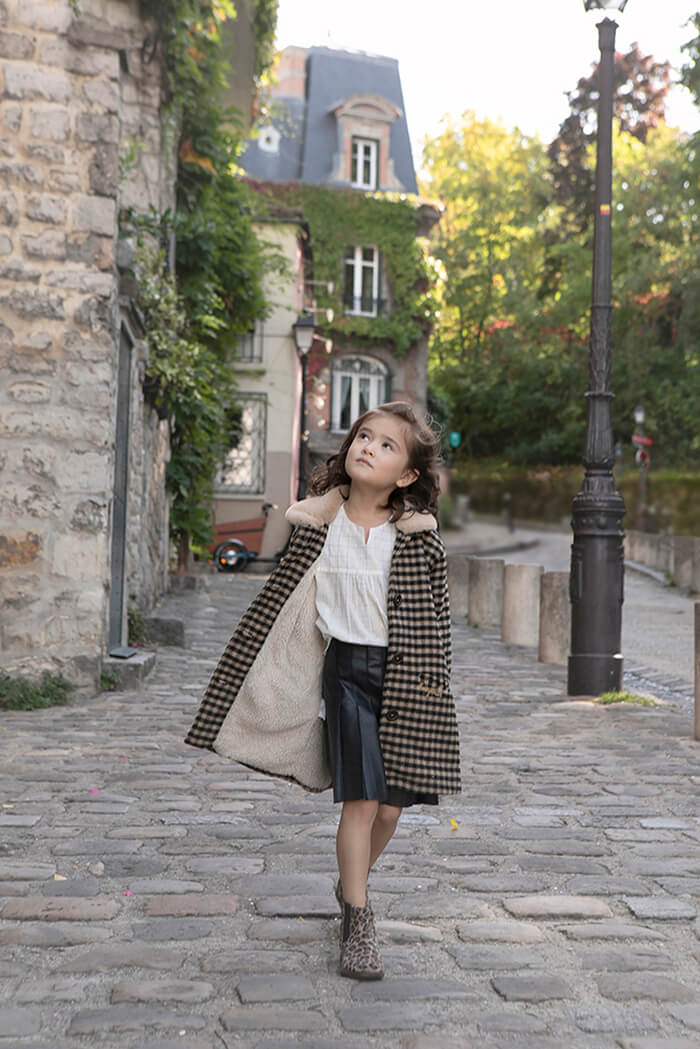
<point x="591" y="674"/>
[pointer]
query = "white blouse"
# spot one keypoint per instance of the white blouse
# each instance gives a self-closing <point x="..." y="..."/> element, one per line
<point x="352" y="582"/>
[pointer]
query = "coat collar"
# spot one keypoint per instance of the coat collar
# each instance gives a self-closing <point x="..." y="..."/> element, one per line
<point x="320" y="510"/>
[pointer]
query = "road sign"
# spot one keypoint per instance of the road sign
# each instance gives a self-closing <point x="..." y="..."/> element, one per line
<point x="641" y="441"/>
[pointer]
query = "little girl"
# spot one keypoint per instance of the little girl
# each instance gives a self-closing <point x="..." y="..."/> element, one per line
<point x="338" y="673"/>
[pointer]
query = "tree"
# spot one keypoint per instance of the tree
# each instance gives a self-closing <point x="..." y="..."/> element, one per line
<point x="492" y="182"/>
<point x="641" y="85"/>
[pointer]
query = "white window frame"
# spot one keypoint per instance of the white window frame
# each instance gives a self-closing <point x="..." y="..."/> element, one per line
<point x="361" y="150"/>
<point x="243" y="469"/>
<point x="356" y="370"/>
<point x="354" y="258"/>
<point x="250" y="345"/>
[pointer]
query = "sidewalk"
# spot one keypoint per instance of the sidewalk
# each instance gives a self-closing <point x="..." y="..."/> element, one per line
<point x="155" y="896"/>
<point x="658" y="634"/>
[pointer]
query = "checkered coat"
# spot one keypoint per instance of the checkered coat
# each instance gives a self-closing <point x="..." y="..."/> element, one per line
<point x="261" y="706"/>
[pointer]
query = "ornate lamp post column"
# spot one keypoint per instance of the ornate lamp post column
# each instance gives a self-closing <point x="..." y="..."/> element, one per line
<point x="304" y="330"/>
<point x="597" y="554"/>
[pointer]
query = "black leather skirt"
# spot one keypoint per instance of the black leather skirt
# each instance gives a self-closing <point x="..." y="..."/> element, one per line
<point x="353" y="677"/>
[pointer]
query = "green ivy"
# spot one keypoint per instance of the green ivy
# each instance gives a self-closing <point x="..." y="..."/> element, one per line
<point x="340" y="218"/>
<point x="193" y="318"/>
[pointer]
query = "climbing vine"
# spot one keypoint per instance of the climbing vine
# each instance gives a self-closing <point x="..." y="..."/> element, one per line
<point x="341" y="218"/>
<point x="193" y="317"/>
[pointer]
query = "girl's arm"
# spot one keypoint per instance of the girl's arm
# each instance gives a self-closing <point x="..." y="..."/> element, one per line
<point x="441" y="597"/>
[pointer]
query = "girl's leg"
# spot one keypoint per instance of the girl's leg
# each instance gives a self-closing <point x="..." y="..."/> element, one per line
<point x="382" y="831"/>
<point x="353" y="845"/>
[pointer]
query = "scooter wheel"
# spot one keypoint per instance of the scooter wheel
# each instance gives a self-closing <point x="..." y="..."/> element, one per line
<point x="231" y="556"/>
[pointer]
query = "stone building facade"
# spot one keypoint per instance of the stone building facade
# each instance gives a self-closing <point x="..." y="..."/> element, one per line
<point x="83" y="510"/>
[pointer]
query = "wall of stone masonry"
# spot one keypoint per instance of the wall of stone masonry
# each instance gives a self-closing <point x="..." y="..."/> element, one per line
<point x="74" y="93"/>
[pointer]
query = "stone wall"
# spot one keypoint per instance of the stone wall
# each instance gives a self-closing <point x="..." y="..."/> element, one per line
<point x="75" y="94"/>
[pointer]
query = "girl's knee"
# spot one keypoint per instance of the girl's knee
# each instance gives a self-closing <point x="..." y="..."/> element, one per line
<point x="364" y="811"/>
<point x="389" y="815"/>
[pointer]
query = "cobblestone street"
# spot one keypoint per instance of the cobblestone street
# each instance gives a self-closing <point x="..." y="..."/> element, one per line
<point x="155" y="896"/>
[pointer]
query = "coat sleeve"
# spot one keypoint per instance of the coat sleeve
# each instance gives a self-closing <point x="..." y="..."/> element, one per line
<point x="441" y="598"/>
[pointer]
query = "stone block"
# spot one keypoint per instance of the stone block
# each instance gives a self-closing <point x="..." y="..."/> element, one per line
<point x="44" y="208"/>
<point x="5" y="245"/>
<point x="97" y="127"/>
<point x="98" y="33"/>
<point x="555" y="618"/>
<point x="19" y="1023"/>
<point x="78" y="280"/>
<point x="11" y="116"/>
<point x="28" y="81"/>
<point x="16" y="45"/>
<point x="131" y="672"/>
<point x="485" y="592"/>
<point x="93" y="214"/>
<point x="104" y="171"/>
<point x="458" y="583"/>
<point x="65" y="181"/>
<point x="9" y="209"/>
<point x="189" y="992"/>
<point x="12" y="173"/>
<point x="21" y="548"/>
<point x="684" y="552"/>
<point x="20" y="271"/>
<point x="520" y="613"/>
<point x="625" y="987"/>
<point x="131" y="1018"/>
<point x="271" y="1018"/>
<point x="660" y="908"/>
<point x="122" y="956"/>
<point x="37" y="14"/>
<point x="159" y="630"/>
<point x="86" y="61"/>
<point x="60" y="908"/>
<point x="184" y="905"/>
<point x="34" y="304"/>
<point x="537" y="988"/>
<point x="92" y="250"/>
<point x="51" y="244"/>
<point x="94" y="314"/>
<point x="549" y="907"/>
<point x="102" y="93"/>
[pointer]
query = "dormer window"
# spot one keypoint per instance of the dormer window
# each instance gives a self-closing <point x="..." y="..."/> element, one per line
<point x="363" y="173"/>
<point x="361" y="290"/>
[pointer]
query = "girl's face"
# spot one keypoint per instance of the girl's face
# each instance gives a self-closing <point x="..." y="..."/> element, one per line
<point x="378" y="456"/>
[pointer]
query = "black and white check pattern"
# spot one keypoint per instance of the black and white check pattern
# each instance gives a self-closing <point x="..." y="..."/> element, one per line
<point x="418" y="726"/>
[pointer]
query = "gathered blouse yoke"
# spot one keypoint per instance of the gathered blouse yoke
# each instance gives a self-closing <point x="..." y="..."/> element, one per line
<point x="352" y="582"/>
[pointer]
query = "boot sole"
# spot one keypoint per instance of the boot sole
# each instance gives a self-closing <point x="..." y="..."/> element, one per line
<point x="362" y="975"/>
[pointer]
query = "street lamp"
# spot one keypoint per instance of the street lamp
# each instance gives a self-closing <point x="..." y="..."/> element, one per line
<point x="597" y="554"/>
<point x="304" y="329"/>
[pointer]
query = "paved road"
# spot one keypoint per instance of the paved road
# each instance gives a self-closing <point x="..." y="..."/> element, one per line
<point x="657" y="620"/>
<point x="153" y="896"/>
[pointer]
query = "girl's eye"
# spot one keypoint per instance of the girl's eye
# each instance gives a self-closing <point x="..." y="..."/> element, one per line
<point x="389" y="445"/>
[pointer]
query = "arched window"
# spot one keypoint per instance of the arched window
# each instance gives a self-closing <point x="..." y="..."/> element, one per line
<point x="358" y="384"/>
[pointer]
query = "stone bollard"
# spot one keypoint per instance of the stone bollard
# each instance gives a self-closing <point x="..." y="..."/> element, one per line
<point x="697" y="670"/>
<point x="485" y="591"/>
<point x="458" y="583"/>
<point x="695" y="579"/>
<point x="520" y="620"/>
<point x="683" y="556"/>
<point x="555" y="618"/>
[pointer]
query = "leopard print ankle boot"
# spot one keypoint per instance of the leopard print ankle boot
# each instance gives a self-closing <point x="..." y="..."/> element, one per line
<point x="359" y="951"/>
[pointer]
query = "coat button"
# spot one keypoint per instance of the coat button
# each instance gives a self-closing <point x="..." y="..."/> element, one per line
<point x="397" y="658"/>
<point x="396" y="600"/>
<point x="392" y="715"/>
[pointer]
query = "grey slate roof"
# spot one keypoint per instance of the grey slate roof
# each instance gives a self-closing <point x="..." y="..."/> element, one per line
<point x="309" y="130"/>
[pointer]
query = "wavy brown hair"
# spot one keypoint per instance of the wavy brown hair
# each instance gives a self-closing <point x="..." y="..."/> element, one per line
<point x="423" y="446"/>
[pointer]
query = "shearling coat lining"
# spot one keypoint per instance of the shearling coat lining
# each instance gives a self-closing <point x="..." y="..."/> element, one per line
<point x="262" y="704"/>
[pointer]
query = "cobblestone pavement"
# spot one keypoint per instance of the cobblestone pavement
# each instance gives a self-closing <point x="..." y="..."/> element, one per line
<point x="154" y="896"/>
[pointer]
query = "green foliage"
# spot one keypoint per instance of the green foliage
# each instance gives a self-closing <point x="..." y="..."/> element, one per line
<point x="342" y="218"/>
<point x="109" y="680"/>
<point x="632" y="698"/>
<point x="18" y="693"/>
<point x="193" y="317"/>
<point x="135" y="626"/>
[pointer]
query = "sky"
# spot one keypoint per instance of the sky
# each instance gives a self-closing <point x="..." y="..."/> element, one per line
<point x="507" y="59"/>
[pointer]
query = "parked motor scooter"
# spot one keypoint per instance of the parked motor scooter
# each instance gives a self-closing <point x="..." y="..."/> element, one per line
<point x="233" y="555"/>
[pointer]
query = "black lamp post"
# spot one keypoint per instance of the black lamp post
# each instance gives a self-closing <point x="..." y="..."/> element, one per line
<point x="597" y="554"/>
<point x="304" y="329"/>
